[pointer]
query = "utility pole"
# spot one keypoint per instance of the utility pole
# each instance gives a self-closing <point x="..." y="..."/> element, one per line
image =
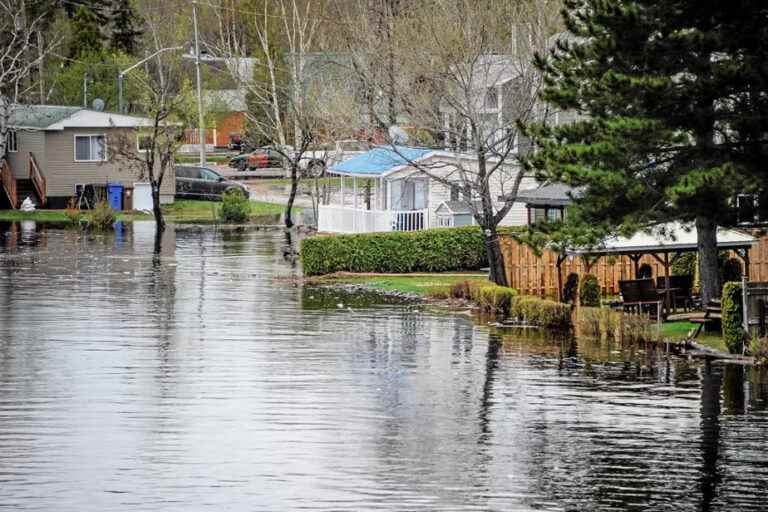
<point x="200" y="113"/>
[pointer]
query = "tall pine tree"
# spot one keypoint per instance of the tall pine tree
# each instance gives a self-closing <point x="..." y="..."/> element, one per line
<point x="86" y="33"/>
<point x="124" y="27"/>
<point x="659" y="88"/>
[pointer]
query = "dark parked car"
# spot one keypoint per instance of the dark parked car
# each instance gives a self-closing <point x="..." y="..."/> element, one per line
<point x="203" y="183"/>
<point x="262" y="158"/>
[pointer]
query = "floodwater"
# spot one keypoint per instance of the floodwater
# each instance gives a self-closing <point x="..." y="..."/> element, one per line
<point x="193" y="380"/>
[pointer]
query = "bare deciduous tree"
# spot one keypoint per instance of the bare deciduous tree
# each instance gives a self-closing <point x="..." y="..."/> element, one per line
<point x="281" y="109"/>
<point x="471" y="81"/>
<point x="166" y="102"/>
<point x="21" y="53"/>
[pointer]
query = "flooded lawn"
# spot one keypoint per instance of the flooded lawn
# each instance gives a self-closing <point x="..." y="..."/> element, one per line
<point x="193" y="380"/>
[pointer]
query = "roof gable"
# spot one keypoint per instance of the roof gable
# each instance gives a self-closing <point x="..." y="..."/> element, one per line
<point x="52" y="117"/>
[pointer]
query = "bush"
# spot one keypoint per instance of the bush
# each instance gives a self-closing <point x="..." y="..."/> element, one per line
<point x="605" y="323"/>
<point x="72" y="212"/>
<point x="432" y="250"/>
<point x="103" y="217"/>
<point x="541" y="312"/>
<point x="732" y="321"/>
<point x="569" y="288"/>
<point x="235" y="207"/>
<point x="590" y="291"/>
<point x="491" y="297"/>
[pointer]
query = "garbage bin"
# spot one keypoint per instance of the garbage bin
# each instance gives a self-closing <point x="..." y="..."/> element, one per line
<point x="115" y="195"/>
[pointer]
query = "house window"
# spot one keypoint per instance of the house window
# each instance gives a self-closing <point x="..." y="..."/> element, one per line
<point x="143" y="143"/>
<point x="445" y="221"/>
<point x="547" y="213"/>
<point x="492" y="98"/>
<point x="90" y="148"/>
<point x="11" y="141"/>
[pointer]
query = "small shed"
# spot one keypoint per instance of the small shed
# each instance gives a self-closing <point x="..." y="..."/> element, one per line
<point x="454" y="214"/>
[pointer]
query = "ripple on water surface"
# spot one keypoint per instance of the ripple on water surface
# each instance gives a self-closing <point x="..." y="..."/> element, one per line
<point x="194" y="380"/>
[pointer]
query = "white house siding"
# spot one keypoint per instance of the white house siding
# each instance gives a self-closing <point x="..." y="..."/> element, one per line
<point x="63" y="173"/>
<point x="28" y="141"/>
<point x="439" y="192"/>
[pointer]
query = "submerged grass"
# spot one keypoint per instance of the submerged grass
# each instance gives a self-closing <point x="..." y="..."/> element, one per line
<point x="423" y="285"/>
<point x="182" y="210"/>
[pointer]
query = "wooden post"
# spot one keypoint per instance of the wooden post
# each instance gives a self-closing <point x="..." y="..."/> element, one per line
<point x="668" y="294"/>
<point x="341" y="177"/>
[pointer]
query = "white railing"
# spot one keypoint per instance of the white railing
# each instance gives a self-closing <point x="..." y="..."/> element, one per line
<point x="343" y="219"/>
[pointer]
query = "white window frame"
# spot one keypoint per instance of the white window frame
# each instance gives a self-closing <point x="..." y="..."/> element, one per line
<point x="138" y="145"/>
<point x="12" y="135"/>
<point x="89" y="135"/>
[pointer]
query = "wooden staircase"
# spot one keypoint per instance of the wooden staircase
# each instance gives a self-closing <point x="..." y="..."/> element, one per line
<point x="14" y="190"/>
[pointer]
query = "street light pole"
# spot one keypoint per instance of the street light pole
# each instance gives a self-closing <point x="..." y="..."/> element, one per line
<point x="121" y="74"/>
<point x="200" y="113"/>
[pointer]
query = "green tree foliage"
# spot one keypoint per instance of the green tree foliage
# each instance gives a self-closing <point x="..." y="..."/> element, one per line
<point x="100" y="70"/>
<point x="665" y="91"/>
<point x="125" y="28"/>
<point x="86" y="33"/>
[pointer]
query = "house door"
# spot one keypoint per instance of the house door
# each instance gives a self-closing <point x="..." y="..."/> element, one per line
<point x="409" y="194"/>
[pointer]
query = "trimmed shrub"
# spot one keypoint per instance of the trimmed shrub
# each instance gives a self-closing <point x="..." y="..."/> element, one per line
<point x="491" y="297"/>
<point x="569" y="288"/>
<point x="235" y="207"/>
<point x="590" y="291"/>
<point x="432" y="250"/>
<point x="605" y="323"/>
<point x="102" y="216"/>
<point x="733" y="330"/>
<point x="541" y="312"/>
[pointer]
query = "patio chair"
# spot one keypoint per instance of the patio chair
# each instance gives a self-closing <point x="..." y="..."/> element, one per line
<point x="641" y="295"/>
<point x="683" y="293"/>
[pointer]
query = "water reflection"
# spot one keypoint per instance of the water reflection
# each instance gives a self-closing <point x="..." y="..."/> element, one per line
<point x="178" y="374"/>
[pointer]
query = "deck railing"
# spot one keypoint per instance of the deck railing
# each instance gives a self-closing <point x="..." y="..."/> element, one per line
<point x="344" y="219"/>
<point x="9" y="184"/>
<point x="37" y="178"/>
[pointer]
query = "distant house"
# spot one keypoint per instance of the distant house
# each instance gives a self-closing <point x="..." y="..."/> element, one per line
<point x="226" y="110"/>
<point x="389" y="194"/>
<point x="547" y="202"/>
<point x="54" y="151"/>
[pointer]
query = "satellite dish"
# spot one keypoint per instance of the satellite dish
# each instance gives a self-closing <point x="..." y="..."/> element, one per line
<point x="98" y="105"/>
<point x="397" y="135"/>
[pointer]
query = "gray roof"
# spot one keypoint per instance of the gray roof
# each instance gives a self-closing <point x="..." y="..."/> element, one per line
<point x="458" y="207"/>
<point x="555" y="194"/>
<point x="40" y="116"/>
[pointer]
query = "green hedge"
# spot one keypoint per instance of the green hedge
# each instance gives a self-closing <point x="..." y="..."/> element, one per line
<point x="432" y="250"/>
<point x="732" y="321"/>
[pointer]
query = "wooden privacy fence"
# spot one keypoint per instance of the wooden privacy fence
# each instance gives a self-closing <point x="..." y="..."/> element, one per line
<point x="533" y="274"/>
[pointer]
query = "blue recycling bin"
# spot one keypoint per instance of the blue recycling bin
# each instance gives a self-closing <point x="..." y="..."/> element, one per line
<point x="115" y="195"/>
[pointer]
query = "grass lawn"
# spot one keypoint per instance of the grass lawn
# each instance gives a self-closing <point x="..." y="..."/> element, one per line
<point x="679" y="331"/>
<point x="182" y="210"/>
<point x="415" y="284"/>
<point x="210" y="158"/>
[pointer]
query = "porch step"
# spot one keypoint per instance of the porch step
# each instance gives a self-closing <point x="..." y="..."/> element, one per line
<point x="24" y="189"/>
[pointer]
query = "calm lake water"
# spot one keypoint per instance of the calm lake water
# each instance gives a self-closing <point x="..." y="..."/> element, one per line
<point x="194" y="380"/>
